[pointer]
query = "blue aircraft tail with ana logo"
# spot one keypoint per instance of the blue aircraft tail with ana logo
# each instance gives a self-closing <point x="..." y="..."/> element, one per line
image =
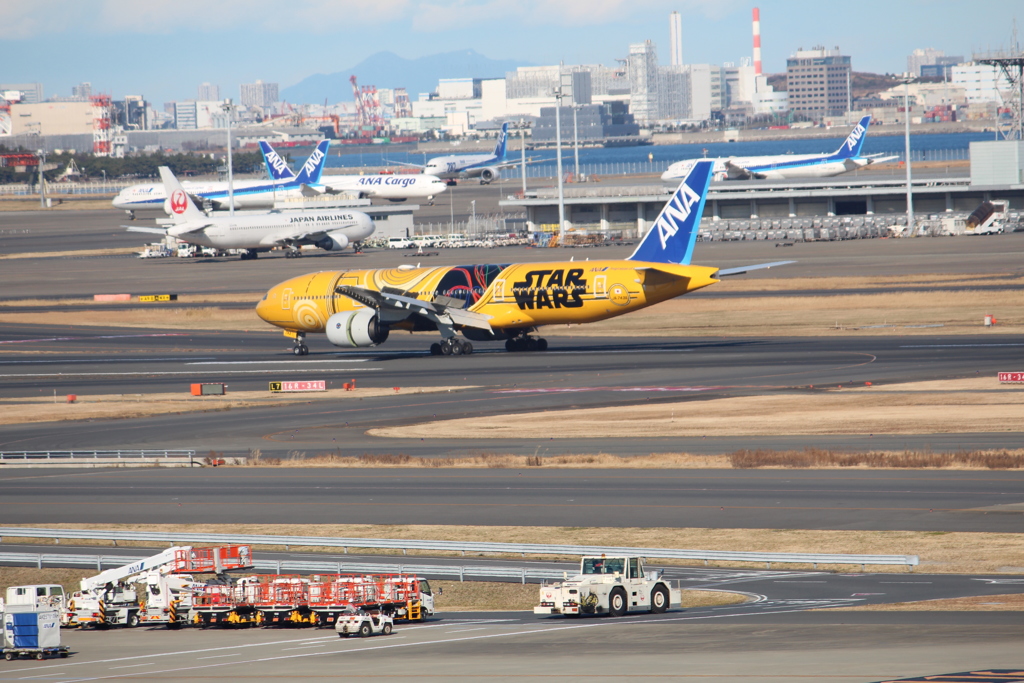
<point x="499" y="149"/>
<point x="671" y="238"/>
<point x="277" y="167"/>
<point x="314" y="166"/>
<point x="854" y="141"/>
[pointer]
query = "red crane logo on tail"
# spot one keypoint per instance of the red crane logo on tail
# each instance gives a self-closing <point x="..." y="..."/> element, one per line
<point x="178" y="202"/>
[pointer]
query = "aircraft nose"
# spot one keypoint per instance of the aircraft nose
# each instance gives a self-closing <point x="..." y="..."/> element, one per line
<point x="263" y="308"/>
<point x="367" y="225"/>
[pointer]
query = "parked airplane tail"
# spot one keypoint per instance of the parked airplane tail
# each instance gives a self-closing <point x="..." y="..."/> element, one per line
<point x="276" y="166"/>
<point x="182" y="210"/>
<point x="314" y="166"/>
<point x="499" y="149"/>
<point x="855" y="140"/>
<point x="671" y="238"/>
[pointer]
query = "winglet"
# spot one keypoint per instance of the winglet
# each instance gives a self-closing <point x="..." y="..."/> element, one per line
<point x="276" y="166"/>
<point x="499" y="149"/>
<point x="671" y="238"/>
<point x="854" y="141"/>
<point x="314" y="166"/>
<point x="182" y="209"/>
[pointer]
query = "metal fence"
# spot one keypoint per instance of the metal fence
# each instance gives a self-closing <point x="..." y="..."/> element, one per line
<point x="108" y="188"/>
<point x="459" y="546"/>
<point x="63" y="456"/>
<point x="463" y="572"/>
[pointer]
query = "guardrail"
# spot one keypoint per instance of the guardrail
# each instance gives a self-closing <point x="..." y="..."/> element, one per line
<point x="460" y="546"/>
<point x="523" y="574"/>
<point x="22" y="456"/>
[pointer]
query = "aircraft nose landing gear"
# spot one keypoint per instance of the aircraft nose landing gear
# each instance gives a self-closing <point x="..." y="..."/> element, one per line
<point x="300" y="348"/>
<point x="451" y="347"/>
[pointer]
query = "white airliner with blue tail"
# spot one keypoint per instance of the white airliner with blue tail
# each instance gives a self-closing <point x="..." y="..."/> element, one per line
<point x="789" y="166"/>
<point x="247" y="194"/>
<point x="486" y="167"/>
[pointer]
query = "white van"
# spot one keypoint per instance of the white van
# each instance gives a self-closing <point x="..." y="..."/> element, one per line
<point x="400" y="243"/>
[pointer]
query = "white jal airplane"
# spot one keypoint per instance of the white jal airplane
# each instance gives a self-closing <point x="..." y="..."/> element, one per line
<point x="248" y="194"/>
<point x="486" y="167"/>
<point x="789" y="166"/>
<point x="331" y="230"/>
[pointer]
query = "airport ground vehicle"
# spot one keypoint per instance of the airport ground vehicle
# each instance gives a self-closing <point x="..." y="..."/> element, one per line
<point x="987" y="219"/>
<point x="609" y="585"/>
<point x="31" y="631"/>
<point x="279" y="600"/>
<point x="42" y="595"/>
<point x="400" y="243"/>
<point x="363" y="623"/>
<point x="111" y="598"/>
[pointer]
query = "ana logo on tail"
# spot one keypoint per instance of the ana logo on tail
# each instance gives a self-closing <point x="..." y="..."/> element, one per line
<point x="675" y="213"/>
<point x="671" y="238"/>
<point x="314" y="166"/>
<point x="178" y="202"/>
<point x="278" y="167"/>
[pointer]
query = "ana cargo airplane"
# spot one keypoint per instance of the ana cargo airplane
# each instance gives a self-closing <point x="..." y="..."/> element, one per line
<point x="486" y="167"/>
<point x="359" y="308"/>
<point x="331" y="230"/>
<point x="248" y="194"/>
<point x="394" y="188"/>
<point x="789" y="166"/>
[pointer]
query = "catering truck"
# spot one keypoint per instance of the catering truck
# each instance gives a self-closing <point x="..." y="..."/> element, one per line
<point x="609" y="585"/>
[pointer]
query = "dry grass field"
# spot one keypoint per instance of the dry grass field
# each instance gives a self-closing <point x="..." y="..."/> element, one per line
<point x="966" y="405"/>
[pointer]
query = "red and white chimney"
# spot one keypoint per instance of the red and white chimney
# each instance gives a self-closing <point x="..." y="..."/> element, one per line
<point x="757" y="41"/>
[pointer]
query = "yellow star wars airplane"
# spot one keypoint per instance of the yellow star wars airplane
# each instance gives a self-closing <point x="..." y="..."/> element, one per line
<point x="358" y="308"/>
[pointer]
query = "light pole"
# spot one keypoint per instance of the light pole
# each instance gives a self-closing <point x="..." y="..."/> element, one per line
<point x="451" y="209"/>
<point x="104" y="172"/>
<point x="474" y="215"/>
<point x="907" y="78"/>
<point x="558" y="154"/>
<point x="42" y="179"/>
<point x="227" y="107"/>
<point x="576" y="142"/>
<point x="522" y="149"/>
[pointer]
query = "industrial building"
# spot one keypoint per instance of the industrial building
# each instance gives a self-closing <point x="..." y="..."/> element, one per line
<point x="594" y="123"/>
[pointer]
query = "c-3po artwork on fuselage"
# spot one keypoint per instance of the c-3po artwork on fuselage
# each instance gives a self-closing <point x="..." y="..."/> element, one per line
<point x="358" y="308"/>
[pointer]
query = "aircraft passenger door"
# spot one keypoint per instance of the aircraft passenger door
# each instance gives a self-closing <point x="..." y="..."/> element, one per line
<point x="499" y="291"/>
<point x="601" y="287"/>
<point x="286" y="299"/>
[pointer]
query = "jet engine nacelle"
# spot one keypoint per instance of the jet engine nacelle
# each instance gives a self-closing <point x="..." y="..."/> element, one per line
<point x="356" y="328"/>
<point x="488" y="174"/>
<point x="334" y="241"/>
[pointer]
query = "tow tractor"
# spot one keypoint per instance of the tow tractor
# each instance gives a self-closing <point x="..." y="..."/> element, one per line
<point x="609" y="585"/>
<point x="364" y="622"/>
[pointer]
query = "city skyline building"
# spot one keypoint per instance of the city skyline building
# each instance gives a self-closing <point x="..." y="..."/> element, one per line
<point x="818" y="82"/>
<point x="643" y="82"/>
<point x="259" y="94"/>
<point x="208" y="92"/>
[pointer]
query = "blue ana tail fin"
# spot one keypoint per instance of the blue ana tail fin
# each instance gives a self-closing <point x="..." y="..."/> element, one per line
<point x="276" y="166"/>
<point x="671" y="238"/>
<point x="854" y="141"/>
<point x="499" y="149"/>
<point x="314" y="166"/>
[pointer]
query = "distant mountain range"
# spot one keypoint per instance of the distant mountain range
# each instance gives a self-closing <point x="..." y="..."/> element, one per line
<point x="388" y="70"/>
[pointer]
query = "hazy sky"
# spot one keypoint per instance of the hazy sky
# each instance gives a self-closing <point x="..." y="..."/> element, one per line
<point x="163" y="49"/>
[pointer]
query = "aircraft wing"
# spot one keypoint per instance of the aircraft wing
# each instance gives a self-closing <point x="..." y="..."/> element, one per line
<point x="746" y="269"/>
<point x="388" y="162"/>
<point x="737" y="172"/>
<point x="878" y="158"/>
<point x="139" y="228"/>
<point x="292" y="238"/>
<point x="442" y="310"/>
<point x="510" y="163"/>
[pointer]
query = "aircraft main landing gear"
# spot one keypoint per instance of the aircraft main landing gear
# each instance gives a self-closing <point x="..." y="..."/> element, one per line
<point x="526" y="343"/>
<point x="249" y="254"/>
<point x="451" y="347"/>
<point x="292" y="253"/>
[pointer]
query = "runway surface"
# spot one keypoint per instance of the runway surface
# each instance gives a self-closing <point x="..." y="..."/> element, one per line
<point x="774" y="499"/>
<point x="774" y="647"/>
